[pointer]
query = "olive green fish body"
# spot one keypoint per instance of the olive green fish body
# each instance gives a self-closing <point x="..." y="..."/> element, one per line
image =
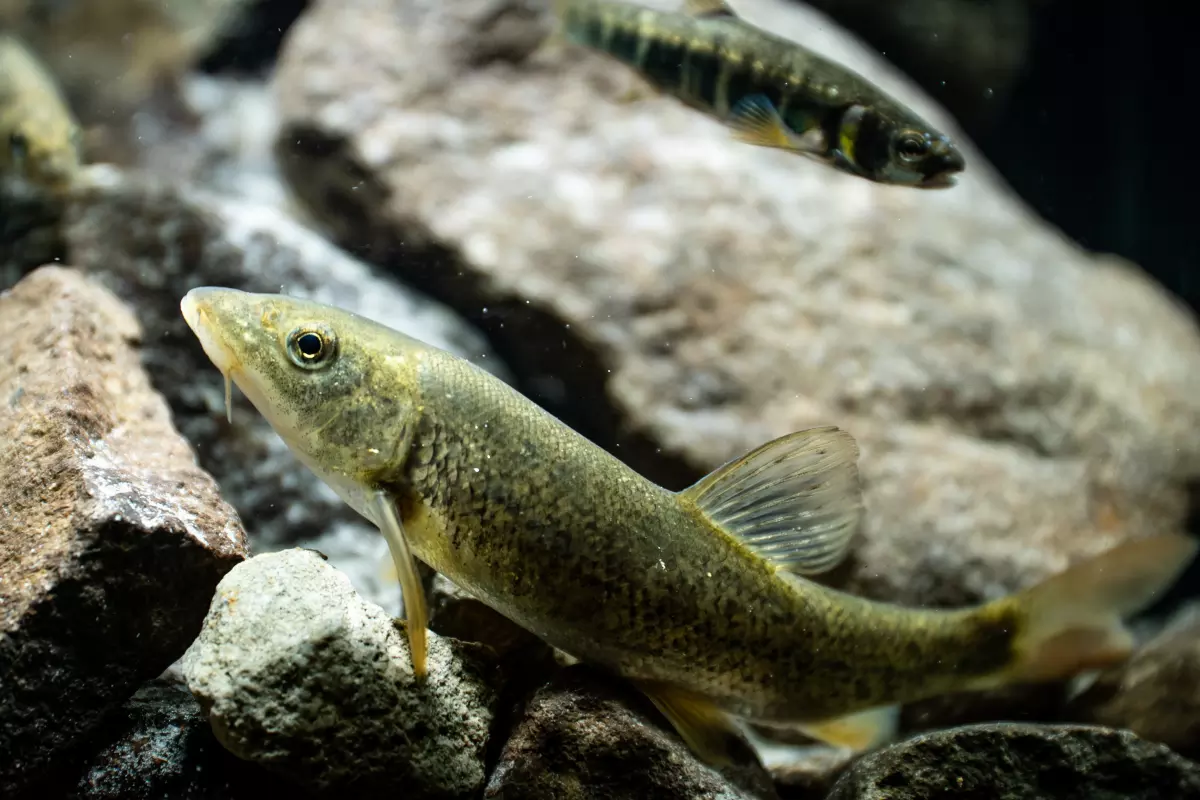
<point x="745" y="76"/>
<point x="39" y="138"/>
<point x="696" y="596"/>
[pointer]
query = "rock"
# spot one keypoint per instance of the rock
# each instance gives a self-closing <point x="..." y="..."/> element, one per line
<point x="1156" y="694"/>
<point x="681" y="298"/>
<point x="582" y="736"/>
<point x="151" y="241"/>
<point x="299" y="674"/>
<point x="112" y="540"/>
<point x="1053" y="762"/>
<point x="810" y="773"/>
<point x="158" y="745"/>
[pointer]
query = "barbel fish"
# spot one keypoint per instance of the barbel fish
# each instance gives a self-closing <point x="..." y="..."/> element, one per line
<point x="770" y="91"/>
<point x="698" y="596"/>
<point x="39" y="138"/>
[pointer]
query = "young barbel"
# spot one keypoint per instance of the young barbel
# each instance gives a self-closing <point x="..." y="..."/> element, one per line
<point x="769" y="90"/>
<point x="696" y="596"/>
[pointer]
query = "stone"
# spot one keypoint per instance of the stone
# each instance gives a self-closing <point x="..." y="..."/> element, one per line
<point x="158" y="745"/>
<point x="581" y="736"/>
<point x="112" y="539"/>
<point x="150" y="240"/>
<point x="810" y="773"/>
<point x="681" y="298"/>
<point x="1051" y="762"/>
<point x="1156" y="694"/>
<point x="299" y="674"/>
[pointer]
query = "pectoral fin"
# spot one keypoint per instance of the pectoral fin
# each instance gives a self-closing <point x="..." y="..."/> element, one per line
<point x="415" y="611"/>
<point x="865" y="730"/>
<point x="756" y="120"/>
<point x="795" y="501"/>
<point x="706" y="730"/>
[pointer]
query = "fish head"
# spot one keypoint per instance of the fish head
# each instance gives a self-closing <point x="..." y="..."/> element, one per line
<point x="897" y="148"/>
<point x="339" y="389"/>
<point x="43" y="151"/>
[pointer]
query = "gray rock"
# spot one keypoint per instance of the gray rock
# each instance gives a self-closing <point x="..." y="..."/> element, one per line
<point x="112" y="539"/>
<point x="1156" y="694"/>
<point x="150" y="241"/>
<point x="581" y="736"/>
<point x="1014" y="762"/>
<point x="299" y="674"/>
<point x="159" y="745"/>
<point x="681" y="297"/>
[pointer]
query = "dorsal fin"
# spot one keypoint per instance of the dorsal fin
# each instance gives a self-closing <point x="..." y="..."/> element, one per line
<point x="708" y="8"/>
<point x="795" y="501"/>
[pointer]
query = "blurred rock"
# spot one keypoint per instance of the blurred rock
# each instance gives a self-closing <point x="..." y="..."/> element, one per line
<point x="250" y="42"/>
<point x="454" y="613"/>
<point x="581" y="736"/>
<point x="30" y="228"/>
<point x="681" y="298"/>
<point x="1156" y="694"/>
<point x="1053" y="762"/>
<point x="159" y="745"/>
<point x="299" y="674"/>
<point x="111" y="538"/>
<point x="150" y="242"/>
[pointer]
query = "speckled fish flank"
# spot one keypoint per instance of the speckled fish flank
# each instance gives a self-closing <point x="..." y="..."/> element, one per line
<point x="697" y="596"/>
<point x="39" y="138"/>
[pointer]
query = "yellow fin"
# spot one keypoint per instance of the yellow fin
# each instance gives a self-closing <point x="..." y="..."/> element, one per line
<point x="708" y="8"/>
<point x="795" y="501"/>
<point x="1072" y="622"/>
<point x="706" y="730"/>
<point x="416" y="613"/>
<point x="755" y="120"/>
<point x="864" y="730"/>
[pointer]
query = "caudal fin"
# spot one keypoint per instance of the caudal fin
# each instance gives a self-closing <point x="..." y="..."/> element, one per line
<point x="1073" y="621"/>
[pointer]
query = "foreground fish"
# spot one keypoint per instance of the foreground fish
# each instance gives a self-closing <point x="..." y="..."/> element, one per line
<point x="695" y="596"/>
<point x="39" y="139"/>
<point x="769" y="90"/>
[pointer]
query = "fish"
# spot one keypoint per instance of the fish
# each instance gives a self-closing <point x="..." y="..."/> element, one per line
<point x="704" y="599"/>
<point x="770" y="91"/>
<point x="40" y="141"/>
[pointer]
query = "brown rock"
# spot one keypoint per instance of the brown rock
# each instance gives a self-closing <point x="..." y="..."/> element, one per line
<point x="581" y="736"/>
<point x="112" y="540"/>
<point x="682" y="298"/>
<point x="1156" y="694"/>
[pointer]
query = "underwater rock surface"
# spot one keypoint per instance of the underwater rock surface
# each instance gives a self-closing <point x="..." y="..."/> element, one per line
<point x="1156" y="693"/>
<point x="681" y="298"/>
<point x="300" y="674"/>
<point x="582" y="737"/>
<point x="112" y="539"/>
<point x="1060" y="762"/>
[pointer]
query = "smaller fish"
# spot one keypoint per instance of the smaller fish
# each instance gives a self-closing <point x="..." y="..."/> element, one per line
<point x="40" y="140"/>
<point x="770" y="91"/>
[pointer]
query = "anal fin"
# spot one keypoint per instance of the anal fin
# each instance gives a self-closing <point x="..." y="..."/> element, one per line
<point x="416" y="612"/>
<point x="706" y="730"/>
<point x="864" y="730"/>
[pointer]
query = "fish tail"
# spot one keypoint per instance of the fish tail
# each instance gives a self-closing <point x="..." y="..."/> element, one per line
<point x="1074" y="621"/>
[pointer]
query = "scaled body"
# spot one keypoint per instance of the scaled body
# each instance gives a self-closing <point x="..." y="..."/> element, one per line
<point x="695" y="596"/>
<point x="39" y="138"/>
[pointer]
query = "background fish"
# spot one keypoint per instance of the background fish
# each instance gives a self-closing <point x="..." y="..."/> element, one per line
<point x="39" y="138"/>
<point x="771" y="91"/>
<point x="695" y="596"/>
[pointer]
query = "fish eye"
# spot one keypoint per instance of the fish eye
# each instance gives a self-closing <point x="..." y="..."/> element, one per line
<point x="311" y="347"/>
<point x="911" y="146"/>
<point x="18" y="146"/>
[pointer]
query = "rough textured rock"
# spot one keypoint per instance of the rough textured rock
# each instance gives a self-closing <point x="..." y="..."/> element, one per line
<point x="1054" y="762"/>
<point x="151" y="241"/>
<point x="111" y="538"/>
<point x="583" y="737"/>
<point x="1156" y="694"/>
<point x="159" y="745"/>
<point x="682" y="298"/>
<point x="299" y="674"/>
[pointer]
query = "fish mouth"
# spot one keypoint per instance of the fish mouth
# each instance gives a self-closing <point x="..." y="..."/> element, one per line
<point x="941" y="180"/>
<point x="196" y="307"/>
